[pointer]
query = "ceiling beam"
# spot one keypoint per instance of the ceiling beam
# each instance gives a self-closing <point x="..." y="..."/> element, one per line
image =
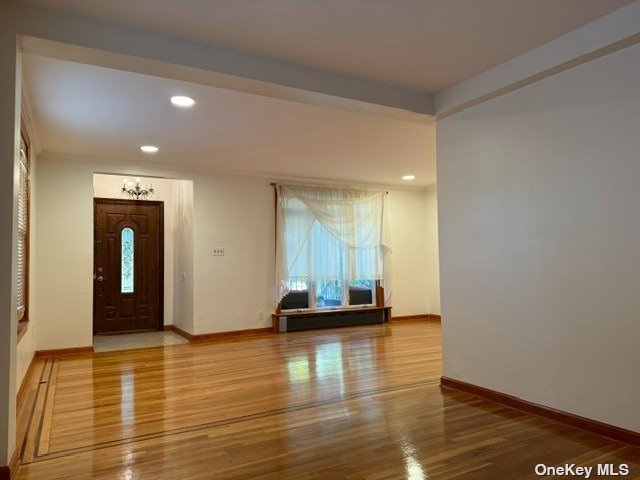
<point x="223" y="67"/>
<point x="615" y="31"/>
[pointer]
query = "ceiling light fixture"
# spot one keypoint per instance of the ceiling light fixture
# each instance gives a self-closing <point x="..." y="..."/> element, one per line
<point x="134" y="190"/>
<point x="182" y="101"/>
<point x="149" y="148"/>
<point x="408" y="177"/>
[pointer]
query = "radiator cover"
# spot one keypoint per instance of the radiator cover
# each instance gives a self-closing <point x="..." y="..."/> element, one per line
<point x="330" y="319"/>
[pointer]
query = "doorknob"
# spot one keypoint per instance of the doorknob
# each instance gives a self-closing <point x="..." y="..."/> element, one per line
<point x="100" y="279"/>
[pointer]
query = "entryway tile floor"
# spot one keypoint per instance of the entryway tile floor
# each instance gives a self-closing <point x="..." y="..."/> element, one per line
<point x="129" y="341"/>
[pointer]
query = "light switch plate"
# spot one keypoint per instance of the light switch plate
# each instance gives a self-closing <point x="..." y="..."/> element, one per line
<point x="218" y="252"/>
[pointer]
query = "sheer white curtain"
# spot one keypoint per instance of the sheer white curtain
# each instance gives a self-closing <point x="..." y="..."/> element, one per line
<point x="331" y="234"/>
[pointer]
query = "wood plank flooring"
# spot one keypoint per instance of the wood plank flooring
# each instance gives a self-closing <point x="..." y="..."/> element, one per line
<point x="354" y="403"/>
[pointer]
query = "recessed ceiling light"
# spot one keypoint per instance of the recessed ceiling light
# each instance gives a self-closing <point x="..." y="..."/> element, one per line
<point x="181" y="101"/>
<point x="149" y="148"/>
<point x="408" y="177"/>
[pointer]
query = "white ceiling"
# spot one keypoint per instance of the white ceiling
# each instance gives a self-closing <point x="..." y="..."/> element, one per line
<point x="89" y="110"/>
<point x="426" y="45"/>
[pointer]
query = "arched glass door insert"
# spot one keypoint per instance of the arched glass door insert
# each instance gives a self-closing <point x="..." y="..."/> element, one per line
<point x="126" y="255"/>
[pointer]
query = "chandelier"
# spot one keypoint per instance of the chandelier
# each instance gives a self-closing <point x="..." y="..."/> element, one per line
<point x="134" y="190"/>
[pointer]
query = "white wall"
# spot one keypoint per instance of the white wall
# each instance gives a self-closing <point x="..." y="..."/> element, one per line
<point x="10" y="83"/>
<point x="211" y="294"/>
<point x="183" y="261"/>
<point x="108" y="186"/>
<point x="237" y="214"/>
<point x="25" y="351"/>
<point x="64" y="256"/>
<point x="407" y="225"/>
<point x="433" y="257"/>
<point x="539" y="241"/>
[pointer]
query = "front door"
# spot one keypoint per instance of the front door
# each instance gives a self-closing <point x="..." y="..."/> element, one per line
<point x="128" y="264"/>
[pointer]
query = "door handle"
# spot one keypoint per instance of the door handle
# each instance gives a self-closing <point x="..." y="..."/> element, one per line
<point x="95" y="275"/>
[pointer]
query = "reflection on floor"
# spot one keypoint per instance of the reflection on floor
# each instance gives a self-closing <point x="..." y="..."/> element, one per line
<point x="129" y="341"/>
<point x="344" y="404"/>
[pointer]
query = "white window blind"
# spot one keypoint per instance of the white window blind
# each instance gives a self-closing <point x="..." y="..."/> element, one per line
<point x="23" y="229"/>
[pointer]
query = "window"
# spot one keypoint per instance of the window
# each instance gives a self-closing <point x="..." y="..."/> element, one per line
<point x="22" y="297"/>
<point x="330" y="247"/>
<point x="329" y="293"/>
<point x="362" y="292"/>
<point x="298" y="296"/>
<point x="126" y="260"/>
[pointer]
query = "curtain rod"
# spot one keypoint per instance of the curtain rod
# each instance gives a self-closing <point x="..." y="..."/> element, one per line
<point x="311" y="186"/>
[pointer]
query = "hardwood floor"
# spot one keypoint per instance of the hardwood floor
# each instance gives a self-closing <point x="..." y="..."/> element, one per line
<point x="355" y="403"/>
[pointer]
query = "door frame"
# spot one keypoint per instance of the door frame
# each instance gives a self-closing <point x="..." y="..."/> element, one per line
<point x="119" y="201"/>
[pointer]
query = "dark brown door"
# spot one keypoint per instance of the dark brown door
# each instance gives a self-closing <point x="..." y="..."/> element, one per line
<point x="128" y="265"/>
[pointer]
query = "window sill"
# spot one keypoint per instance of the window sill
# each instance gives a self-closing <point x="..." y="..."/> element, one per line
<point x="309" y="312"/>
<point x="328" y="309"/>
<point x="23" y="325"/>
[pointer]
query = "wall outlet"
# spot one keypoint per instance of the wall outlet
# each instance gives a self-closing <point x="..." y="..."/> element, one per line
<point x="260" y="315"/>
<point x="218" y="252"/>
